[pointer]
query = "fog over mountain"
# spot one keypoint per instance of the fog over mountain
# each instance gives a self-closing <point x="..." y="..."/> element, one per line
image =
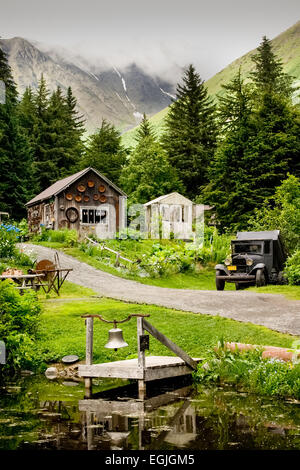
<point x="120" y="94"/>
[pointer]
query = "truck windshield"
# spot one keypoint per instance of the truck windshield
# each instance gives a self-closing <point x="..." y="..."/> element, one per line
<point x="247" y="248"/>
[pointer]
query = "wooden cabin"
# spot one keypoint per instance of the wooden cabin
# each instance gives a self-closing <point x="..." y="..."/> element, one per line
<point x="171" y="214"/>
<point x="86" y="201"/>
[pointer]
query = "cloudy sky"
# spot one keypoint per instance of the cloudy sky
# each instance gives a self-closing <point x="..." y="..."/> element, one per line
<point x="154" y="33"/>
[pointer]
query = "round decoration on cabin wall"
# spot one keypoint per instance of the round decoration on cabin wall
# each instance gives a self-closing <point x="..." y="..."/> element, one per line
<point x="102" y="198"/>
<point x="81" y="188"/>
<point x="69" y="196"/>
<point x="78" y="198"/>
<point x="91" y="183"/>
<point x="86" y="198"/>
<point x="101" y="188"/>
<point x="63" y="223"/>
<point x="96" y="197"/>
<point x="72" y="214"/>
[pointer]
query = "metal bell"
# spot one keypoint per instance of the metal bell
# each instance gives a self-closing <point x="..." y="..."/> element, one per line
<point x="115" y="339"/>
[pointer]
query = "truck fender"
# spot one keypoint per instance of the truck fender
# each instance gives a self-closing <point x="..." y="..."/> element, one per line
<point x="258" y="266"/>
<point x="221" y="267"/>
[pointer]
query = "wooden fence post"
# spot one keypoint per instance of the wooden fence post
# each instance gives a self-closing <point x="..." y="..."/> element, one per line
<point x="141" y="358"/>
<point x="89" y="353"/>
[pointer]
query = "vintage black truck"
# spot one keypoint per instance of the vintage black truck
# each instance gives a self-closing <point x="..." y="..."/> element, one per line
<point x="257" y="258"/>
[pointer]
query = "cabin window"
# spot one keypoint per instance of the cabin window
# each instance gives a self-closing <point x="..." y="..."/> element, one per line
<point x="94" y="216"/>
<point x="165" y="212"/>
<point x="47" y="214"/>
<point x="176" y="213"/>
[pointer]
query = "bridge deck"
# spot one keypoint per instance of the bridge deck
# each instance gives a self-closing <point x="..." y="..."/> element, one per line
<point x="156" y="367"/>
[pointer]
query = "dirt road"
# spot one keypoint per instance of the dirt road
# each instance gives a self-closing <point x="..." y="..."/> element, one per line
<point x="273" y="311"/>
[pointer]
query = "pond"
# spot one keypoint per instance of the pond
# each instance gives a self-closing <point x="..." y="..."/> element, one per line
<point x="36" y="414"/>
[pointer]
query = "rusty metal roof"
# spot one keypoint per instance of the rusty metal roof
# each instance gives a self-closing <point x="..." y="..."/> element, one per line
<point x="60" y="185"/>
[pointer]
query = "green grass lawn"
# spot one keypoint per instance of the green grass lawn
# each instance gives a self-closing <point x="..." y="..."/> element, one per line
<point x="203" y="280"/>
<point x="62" y="330"/>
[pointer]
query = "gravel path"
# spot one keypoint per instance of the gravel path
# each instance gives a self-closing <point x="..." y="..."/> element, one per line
<point x="273" y="311"/>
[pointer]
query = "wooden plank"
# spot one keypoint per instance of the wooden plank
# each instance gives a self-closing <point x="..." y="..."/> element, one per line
<point x="169" y="344"/>
<point x="109" y="407"/>
<point x="103" y="370"/>
<point x="103" y="247"/>
<point x="156" y="367"/>
<point x="167" y="372"/>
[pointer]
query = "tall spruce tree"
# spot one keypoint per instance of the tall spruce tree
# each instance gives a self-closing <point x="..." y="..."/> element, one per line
<point x="145" y="129"/>
<point x="190" y="132"/>
<point x="104" y="152"/>
<point x="75" y="127"/>
<point x="27" y="114"/>
<point x="16" y="182"/>
<point x="260" y="144"/>
<point x="46" y="170"/>
<point x="54" y="128"/>
<point x="232" y="189"/>
<point x="268" y="76"/>
<point x="66" y="130"/>
<point x="277" y="118"/>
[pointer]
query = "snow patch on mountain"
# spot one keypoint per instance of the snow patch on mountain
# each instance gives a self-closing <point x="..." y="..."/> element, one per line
<point x="124" y="85"/>
<point x="168" y="94"/>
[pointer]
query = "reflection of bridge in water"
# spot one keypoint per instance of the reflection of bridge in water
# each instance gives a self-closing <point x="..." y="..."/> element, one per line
<point x="168" y="418"/>
<point x="108" y="420"/>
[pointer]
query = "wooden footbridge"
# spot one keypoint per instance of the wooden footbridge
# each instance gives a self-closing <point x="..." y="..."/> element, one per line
<point x="144" y="368"/>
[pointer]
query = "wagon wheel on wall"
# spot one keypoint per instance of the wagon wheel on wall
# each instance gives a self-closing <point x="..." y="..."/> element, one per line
<point x="72" y="214"/>
<point x="63" y="223"/>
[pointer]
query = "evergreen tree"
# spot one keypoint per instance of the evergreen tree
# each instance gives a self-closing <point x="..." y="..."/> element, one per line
<point x="16" y="184"/>
<point x="75" y="129"/>
<point x="268" y="75"/>
<point x="149" y="173"/>
<point x="54" y="129"/>
<point x="65" y="134"/>
<point x="232" y="189"/>
<point x="144" y="130"/>
<point x="27" y="114"/>
<point x="104" y="152"/>
<point x="190" y="132"/>
<point x="277" y="119"/>
<point x="46" y="170"/>
<point x="260" y="146"/>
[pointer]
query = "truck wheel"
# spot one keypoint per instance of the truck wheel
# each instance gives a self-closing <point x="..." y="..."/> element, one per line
<point x="220" y="283"/>
<point x="239" y="286"/>
<point x="260" y="279"/>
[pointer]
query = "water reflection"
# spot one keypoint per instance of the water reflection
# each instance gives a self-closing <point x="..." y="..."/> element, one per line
<point x="36" y="414"/>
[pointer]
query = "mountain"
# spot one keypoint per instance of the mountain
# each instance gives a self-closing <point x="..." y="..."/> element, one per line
<point x="103" y="91"/>
<point x="286" y="46"/>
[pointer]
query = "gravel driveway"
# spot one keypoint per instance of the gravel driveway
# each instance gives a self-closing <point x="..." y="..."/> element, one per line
<point x="270" y="310"/>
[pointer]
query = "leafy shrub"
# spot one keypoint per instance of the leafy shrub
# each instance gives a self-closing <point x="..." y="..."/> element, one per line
<point x="216" y="247"/>
<point x="163" y="261"/>
<point x="8" y="238"/>
<point x="67" y="237"/>
<point x="23" y="227"/>
<point x="282" y="212"/>
<point x="251" y="372"/>
<point x="19" y="320"/>
<point x="22" y="259"/>
<point x="71" y="237"/>
<point x="292" y="269"/>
